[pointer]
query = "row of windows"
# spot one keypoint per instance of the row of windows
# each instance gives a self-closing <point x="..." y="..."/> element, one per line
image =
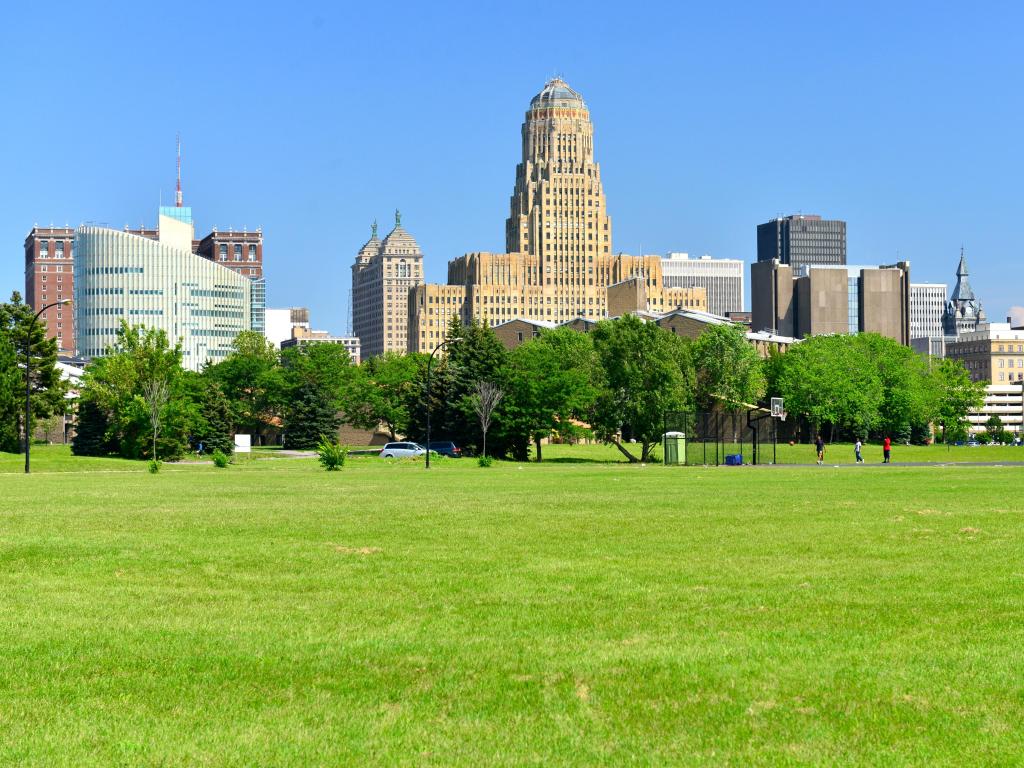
<point x="146" y="292"/>
<point x="57" y="268"/>
<point x="230" y="293"/>
<point x="223" y="252"/>
<point x="114" y="271"/>
<point x="58" y="250"/>
<point x="103" y="291"/>
<point x="215" y="313"/>
<point x="145" y="311"/>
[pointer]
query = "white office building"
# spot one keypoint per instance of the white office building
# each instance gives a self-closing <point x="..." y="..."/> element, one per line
<point x="927" y="303"/>
<point x="157" y="283"/>
<point x="722" y="278"/>
<point x="282" y="324"/>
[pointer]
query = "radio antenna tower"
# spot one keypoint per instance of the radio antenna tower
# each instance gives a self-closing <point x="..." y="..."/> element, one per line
<point x="177" y="194"/>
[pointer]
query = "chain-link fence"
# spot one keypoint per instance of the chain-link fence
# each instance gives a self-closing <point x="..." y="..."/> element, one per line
<point x="711" y="437"/>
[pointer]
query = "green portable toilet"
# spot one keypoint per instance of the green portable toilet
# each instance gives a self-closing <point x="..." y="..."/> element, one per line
<point x="674" y="447"/>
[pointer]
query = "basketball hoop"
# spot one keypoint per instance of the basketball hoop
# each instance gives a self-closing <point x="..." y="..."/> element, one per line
<point x="777" y="411"/>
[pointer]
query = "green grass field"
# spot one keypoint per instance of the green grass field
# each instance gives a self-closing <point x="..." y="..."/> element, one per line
<point x="575" y="612"/>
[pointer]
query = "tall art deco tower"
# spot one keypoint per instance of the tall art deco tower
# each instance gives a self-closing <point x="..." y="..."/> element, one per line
<point x="559" y="264"/>
<point x="559" y="213"/>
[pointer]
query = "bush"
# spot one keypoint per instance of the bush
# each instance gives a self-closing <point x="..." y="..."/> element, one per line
<point x="332" y="456"/>
<point x="154" y="466"/>
<point x="484" y="461"/>
<point x="220" y="459"/>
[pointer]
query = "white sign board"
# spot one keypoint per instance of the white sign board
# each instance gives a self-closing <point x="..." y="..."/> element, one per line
<point x="243" y="443"/>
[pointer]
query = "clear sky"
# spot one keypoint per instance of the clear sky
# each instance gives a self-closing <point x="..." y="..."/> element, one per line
<point x="311" y="120"/>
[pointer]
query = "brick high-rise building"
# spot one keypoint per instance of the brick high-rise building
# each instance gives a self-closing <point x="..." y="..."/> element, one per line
<point x="49" y="277"/>
<point x="558" y="236"/>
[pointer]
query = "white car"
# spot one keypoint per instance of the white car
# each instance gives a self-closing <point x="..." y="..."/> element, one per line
<point x="401" y="450"/>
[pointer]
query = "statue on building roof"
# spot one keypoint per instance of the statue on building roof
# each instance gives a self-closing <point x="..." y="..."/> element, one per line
<point x="398" y="218"/>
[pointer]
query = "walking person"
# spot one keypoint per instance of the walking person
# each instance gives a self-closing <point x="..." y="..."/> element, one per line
<point x="820" y="445"/>
<point x="856" y="450"/>
<point x="886" y="450"/>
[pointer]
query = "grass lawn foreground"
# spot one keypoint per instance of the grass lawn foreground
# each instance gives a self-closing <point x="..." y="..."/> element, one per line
<point x="567" y="613"/>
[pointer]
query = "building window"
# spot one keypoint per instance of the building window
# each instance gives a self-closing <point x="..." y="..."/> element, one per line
<point x="44" y="249"/>
<point x="252" y="253"/>
<point x="238" y="251"/>
<point x="59" y="249"/>
<point x="223" y="252"/>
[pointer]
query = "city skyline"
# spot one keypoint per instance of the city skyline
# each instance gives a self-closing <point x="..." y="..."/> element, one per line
<point x="915" y="178"/>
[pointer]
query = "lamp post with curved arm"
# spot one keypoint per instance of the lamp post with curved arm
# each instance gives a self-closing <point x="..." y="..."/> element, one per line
<point x="429" y="363"/>
<point x="28" y="378"/>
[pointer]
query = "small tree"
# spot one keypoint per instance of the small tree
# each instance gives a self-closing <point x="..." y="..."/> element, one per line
<point x="156" y="392"/>
<point x="485" y="399"/>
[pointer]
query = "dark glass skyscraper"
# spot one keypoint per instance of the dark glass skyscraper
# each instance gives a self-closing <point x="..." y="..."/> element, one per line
<point x="800" y="240"/>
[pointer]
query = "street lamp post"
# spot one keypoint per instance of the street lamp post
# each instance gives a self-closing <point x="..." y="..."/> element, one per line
<point x="430" y="361"/>
<point x="28" y="378"/>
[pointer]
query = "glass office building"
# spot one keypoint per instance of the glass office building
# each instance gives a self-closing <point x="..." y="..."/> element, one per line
<point x="157" y="283"/>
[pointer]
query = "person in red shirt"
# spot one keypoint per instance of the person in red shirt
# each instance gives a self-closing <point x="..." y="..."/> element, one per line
<point x="886" y="449"/>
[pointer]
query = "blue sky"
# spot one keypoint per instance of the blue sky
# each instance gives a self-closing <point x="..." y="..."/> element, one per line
<point x="311" y="120"/>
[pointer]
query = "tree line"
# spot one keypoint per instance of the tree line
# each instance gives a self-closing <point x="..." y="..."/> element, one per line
<point x="615" y="384"/>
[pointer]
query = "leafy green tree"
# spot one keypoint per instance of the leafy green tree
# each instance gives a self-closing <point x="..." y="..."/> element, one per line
<point x="48" y="389"/>
<point x="727" y="367"/>
<point x="955" y="395"/>
<point x="647" y="372"/>
<point x="551" y="380"/>
<point x="252" y="379"/>
<point x="380" y="392"/>
<point x="907" y="400"/>
<point x="828" y="380"/>
<point x="315" y="378"/>
<point x="114" y="387"/>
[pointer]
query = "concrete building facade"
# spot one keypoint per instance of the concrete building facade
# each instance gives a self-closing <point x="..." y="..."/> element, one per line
<point x="156" y="283"/>
<point x="50" y="277"/>
<point x="383" y="275"/>
<point x="802" y="240"/>
<point x="722" y="279"/>
<point x="813" y="300"/>
<point x="558" y="237"/>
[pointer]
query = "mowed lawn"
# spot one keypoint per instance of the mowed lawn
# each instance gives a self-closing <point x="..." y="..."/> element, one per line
<point x="560" y="614"/>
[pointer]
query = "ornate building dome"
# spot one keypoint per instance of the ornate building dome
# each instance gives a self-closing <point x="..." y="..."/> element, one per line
<point x="557" y="93"/>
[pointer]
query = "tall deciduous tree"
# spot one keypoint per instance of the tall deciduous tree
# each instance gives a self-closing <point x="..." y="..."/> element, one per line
<point x="486" y="397"/>
<point x="728" y="369"/>
<point x="551" y="380"/>
<point x="252" y="380"/>
<point x="956" y="395"/>
<point x="647" y="372"/>
<point x="380" y="391"/>
<point x="114" y="391"/>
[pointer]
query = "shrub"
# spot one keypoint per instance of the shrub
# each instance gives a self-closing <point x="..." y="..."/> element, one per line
<point x="154" y="466"/>
<point x="484" y="461"/>
<point x="220" y="459"/>
<point x="332" y="456"/>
